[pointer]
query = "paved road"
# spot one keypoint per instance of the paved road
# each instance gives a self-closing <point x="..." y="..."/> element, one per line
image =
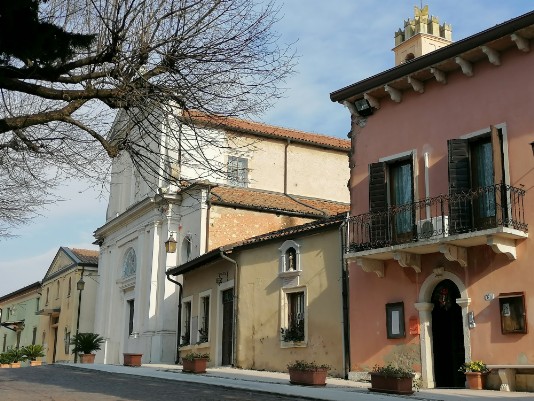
<point x="61" y="383"/>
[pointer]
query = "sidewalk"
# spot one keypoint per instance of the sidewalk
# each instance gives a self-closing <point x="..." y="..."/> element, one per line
<point x="278" y="383"/>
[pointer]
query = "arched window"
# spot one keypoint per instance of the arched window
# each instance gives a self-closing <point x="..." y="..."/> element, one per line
<point x="47" y="294"/>
<point x="129" y="266"/>
<point x="70" y="286"/>
<point x="57" y="290"/>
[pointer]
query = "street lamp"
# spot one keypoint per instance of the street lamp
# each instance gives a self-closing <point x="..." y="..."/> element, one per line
<point x="80" y="285"/>
<point x="170" y="244"/>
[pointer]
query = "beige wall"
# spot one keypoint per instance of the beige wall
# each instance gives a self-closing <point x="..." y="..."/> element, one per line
<point x="59" y="323"/>
<point x="260" y="295"/>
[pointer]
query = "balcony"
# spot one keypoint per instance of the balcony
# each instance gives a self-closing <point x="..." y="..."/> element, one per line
<point x="449" y="224"/>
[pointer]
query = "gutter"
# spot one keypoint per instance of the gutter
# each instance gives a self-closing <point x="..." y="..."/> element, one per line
<point x="236" y="308"/>
<point x="179" y="326"/>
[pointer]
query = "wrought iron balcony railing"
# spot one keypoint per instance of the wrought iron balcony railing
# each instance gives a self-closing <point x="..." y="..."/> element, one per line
<point x="438" y="217"/>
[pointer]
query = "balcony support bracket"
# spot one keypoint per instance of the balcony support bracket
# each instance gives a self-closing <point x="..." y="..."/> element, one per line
<point x="503" y="245"/>
<point x="454" y="254"/>
<point x="406" y="259"/>
<point x="371" y="265"/>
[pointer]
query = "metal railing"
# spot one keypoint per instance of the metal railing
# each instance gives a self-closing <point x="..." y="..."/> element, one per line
<point x="480" y="209"/>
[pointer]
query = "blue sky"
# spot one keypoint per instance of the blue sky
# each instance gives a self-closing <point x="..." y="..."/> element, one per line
<point x="338" y="42"/>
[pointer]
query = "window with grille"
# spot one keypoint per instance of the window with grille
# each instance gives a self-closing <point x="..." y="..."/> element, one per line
<point x="186" y="328"/>
<point x="204" y="319"/>
<point x="237" y="171"/>
<point x="295" y="308"/>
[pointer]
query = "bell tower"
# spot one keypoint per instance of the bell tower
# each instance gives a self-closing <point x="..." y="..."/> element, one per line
<point x="420" y="36"/>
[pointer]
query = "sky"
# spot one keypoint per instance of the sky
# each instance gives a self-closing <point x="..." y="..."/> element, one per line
<point x="338" y="43"/>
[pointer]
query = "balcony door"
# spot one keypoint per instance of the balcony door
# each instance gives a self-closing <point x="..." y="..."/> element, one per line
<point x="401" y="200"/>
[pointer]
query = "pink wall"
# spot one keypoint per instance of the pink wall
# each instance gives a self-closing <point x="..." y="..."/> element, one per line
<point x="424" y="122"/>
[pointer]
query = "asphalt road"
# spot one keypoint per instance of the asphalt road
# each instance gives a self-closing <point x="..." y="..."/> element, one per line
<point x="61" y="383"/>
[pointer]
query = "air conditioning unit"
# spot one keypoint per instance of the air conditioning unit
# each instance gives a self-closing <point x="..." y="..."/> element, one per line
<point x="433" y="227"/>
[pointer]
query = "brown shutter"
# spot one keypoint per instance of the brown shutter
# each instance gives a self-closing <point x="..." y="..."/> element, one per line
<point x="501" y="210"/>
<point x="378" y="204"/>
<point x="460" y="209"/>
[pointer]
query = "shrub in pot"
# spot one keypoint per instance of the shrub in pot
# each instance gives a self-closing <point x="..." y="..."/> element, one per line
<point x="32" y="352"/>
<point x="392" y="379"/>
<point x="85" y="344"/>
<point x="475" y="373"/>
<point x="16" y="356"/>
<point x="5" y="360"/>
<point x="307" y="373"/>
<point x="195" y="362"/>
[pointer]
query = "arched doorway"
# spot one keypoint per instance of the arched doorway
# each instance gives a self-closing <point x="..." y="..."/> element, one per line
<point x="447" y="335"/>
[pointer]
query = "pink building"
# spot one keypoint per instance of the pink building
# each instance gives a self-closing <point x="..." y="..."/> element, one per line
<point x="439" y="258"/>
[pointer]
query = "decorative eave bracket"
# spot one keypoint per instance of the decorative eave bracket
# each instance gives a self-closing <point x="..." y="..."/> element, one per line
<point x="454" y="253"/>
<point x="373" y="101"/>
<point x="467" y="67"/>
<point x="493" y="55"/>
<point x="406" y="259"/>
<point x="395" y="94"/>
<point x="521" y="43"/>
<point x="440" y="76"/>
<point x="417" y="85"/>
<point x="503" y="245"/>
<point x="371" y="265"/>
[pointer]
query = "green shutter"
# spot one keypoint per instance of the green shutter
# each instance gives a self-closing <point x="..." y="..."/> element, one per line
<point x="460" y="208"/>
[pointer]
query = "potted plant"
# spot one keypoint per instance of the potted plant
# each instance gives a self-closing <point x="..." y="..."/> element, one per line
<point x="195" y="362"/>
<point x="307" y="373"/>
<point x="85" y="344"/>
<point x="475" y="373"/>
<point x="16" y="356"/>
<point x="32" y="352"/>
<point x="392" y="379"/>
<point x="4" y="360"/>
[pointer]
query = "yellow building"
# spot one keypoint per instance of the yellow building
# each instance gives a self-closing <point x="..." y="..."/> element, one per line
<point x="268" y="300"/>
<point x="64" y="308"/>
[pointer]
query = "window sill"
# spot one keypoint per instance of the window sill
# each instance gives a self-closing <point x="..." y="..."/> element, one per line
<point x="293" y="344"/>
<point x="289" y="274"/>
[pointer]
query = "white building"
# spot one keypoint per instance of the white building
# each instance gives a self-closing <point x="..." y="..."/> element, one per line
<point x="269" y="178"/>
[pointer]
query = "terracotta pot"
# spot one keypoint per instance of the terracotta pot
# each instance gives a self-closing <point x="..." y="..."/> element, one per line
<point x="4" y="365"/>
<point x="87" y="358"/>
<point x="36" y="363"/>
<point x="308" y="377"/>
<point x="132" y="359"/>
<point x="197" y="365"/>
<point x="476" y="380"/>
<point x="15" y="365"/>
<point x="390" y="384"/>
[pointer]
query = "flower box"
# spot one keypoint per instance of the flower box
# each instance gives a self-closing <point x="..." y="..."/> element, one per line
<point x="383" y="383"/>
<point x="196" y="365"/>
<point x="315" y="377"/>
<point x="132" y="359"/>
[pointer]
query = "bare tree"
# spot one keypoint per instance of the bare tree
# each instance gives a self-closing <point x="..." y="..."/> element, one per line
<point x="154" y="60"/>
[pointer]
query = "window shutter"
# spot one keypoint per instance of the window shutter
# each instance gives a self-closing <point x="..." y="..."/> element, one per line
<point x="460" y="209"/>
<point x="378" y="204"/>
<point x="501" y="210"/>
<point x="242" y="171"/>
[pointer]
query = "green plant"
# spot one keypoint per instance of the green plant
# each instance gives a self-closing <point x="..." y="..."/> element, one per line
<point x="203" y="337"/>
<point x="303" y="365"/>
<point x="474" y="366"/>
<point x="185" y="340"/>
<point x="393" y="371"/>
<point x="195" y="355"/>
<point x="5" y="358"/>
<point x="33" y="351"/>
<point x="294" y="332"/>
<point x="15" y="355"/>
<point x="86" y="343"/>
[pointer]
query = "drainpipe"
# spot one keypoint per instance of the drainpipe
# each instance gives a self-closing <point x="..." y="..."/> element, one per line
<point x="343" y="228"/>
<point x="179" y="327"/>
<point x="236" y="309"/>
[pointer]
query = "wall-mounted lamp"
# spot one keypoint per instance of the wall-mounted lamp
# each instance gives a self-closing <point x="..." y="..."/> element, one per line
<point x="80" y="285"/>
<point x="170" y="244"/>
<point x="363" y="107"/>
